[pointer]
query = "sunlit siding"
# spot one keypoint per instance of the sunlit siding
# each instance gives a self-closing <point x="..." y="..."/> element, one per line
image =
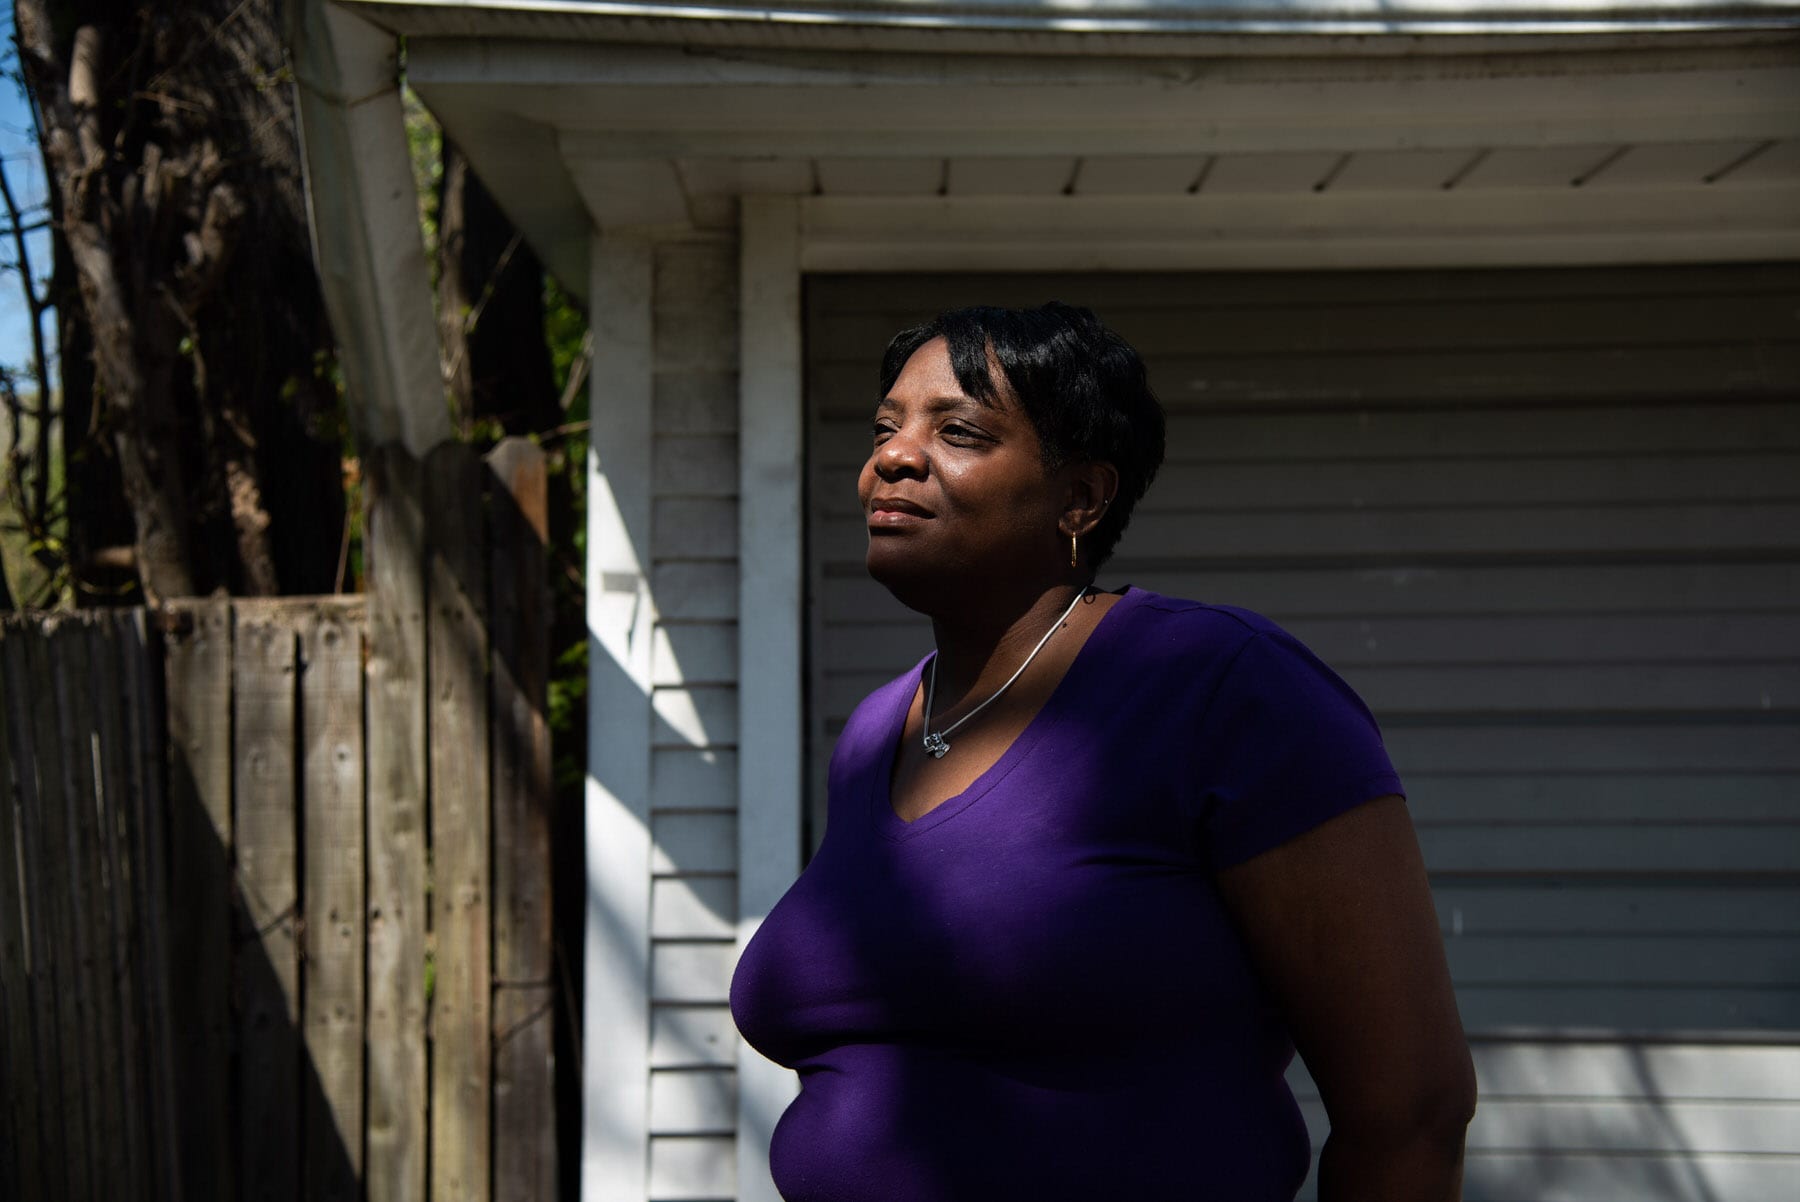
<point x="693" y="900"/>
<point x="1548" y="523"/>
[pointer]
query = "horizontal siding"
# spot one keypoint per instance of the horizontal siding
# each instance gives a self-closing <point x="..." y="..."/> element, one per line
<point x="693" y="1101"/>
<point x="691" y="653"/>
<point x="693" y="899"/>
<point x="901" y="298"/>
<point x="1581" y="373"/>
<point x="693" y="1168"/>
<point x="1427" y="531"/>
<point x="694" y="465"/>
<point x="690" y="972"/>
<point x="1359" y="590"/>
<point x="694" y="907"/>
<point x="692" y="777"/>
<point x="1548" y="524"/>
<point x="1552" y="1124"/>
<point x="703" y="716"/>
<point x="1646" y="689"/>
<point x="692" y="1035"/>
<point x="1379" y="641"/>
<point x="1533" y="429"/>
<point x="695" y="591"/>
<point x="1395" y="327"/>
<point x="694" y="841"/>
<point x="1467" y="909"/>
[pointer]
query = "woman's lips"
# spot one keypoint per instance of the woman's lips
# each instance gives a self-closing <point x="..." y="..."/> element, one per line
<point x="892" y="512"/>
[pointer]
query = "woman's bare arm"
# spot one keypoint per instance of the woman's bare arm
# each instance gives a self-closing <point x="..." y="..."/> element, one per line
<point x="1340" y="925"/>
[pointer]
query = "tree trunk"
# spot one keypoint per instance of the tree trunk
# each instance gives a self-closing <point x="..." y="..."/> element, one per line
<point x="168" y="132"/>
<point x="491" y="310"/>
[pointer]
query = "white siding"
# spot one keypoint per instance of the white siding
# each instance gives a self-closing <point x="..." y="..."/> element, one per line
<point x="693" y="788"/>
<point x="1548" y="523"/>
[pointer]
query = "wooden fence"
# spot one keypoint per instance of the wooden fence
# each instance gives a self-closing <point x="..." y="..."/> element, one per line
<point x="275" y="875"/>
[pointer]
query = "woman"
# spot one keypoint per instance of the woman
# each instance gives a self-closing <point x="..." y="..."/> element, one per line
<point x="1096" y="867"/>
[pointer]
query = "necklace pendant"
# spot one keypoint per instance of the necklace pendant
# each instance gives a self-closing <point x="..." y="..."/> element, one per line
<point x="935" y="745"/>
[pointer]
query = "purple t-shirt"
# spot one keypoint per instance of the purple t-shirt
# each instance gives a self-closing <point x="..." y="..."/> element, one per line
<point x="1033" y="992"/>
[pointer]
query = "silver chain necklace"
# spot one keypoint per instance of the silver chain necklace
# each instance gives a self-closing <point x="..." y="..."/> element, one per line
<point x="937" y="744"/>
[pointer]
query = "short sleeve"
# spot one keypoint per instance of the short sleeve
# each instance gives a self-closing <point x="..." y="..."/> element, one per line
<point x="1283" y="745"/>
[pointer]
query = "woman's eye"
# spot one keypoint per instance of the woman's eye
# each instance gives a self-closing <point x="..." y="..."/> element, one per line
<point x="881" y="430"/>
<point x="961" y="433"/>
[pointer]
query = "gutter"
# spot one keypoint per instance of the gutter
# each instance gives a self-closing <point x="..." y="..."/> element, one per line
<point x="1064" y="19"/>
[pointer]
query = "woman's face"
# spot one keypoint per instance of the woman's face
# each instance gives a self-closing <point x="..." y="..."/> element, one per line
<point x="955" y="490"/>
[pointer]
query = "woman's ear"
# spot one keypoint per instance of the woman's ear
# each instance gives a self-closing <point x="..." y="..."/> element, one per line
<point x="1092" y="487"/>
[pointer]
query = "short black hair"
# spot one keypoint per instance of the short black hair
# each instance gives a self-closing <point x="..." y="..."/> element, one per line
<point x="1083" y="388"/>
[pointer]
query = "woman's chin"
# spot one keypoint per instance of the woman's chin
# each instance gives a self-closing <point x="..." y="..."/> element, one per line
<point x="902" y="572"/>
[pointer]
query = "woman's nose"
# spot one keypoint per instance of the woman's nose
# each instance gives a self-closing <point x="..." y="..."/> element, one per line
<point x="899" y="455"/>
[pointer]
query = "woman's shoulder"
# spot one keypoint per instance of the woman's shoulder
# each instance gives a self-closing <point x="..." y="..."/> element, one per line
<point x="1193" y="625"/>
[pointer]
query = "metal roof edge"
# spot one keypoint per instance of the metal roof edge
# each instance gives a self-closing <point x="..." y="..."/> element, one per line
<point x="1211" y="29"/>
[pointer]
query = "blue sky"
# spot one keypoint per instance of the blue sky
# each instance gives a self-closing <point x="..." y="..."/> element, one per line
<point x="25" y="172"/>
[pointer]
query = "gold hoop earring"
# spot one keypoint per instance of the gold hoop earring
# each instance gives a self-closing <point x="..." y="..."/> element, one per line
<point x="1074" y="551"/>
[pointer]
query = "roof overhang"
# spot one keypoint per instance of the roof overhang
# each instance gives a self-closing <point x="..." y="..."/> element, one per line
<point x="951" y="139"/>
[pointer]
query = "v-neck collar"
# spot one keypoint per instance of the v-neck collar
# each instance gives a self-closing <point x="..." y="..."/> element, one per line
<point x="880" y="787"/>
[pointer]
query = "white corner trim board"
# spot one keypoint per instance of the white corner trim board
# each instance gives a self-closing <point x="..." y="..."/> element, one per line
<point x="771" y="712"/>
<point x="615" y="1073"/>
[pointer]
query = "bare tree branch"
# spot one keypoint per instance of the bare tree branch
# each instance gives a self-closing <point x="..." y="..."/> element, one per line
<point x="40" y="358"/>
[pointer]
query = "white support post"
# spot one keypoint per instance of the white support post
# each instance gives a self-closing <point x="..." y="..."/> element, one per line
<point x="615" y="1071"/>
<point x="770" y="700"/>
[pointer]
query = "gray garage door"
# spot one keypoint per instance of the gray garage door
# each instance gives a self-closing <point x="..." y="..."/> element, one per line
<point x="1548" y="523"/>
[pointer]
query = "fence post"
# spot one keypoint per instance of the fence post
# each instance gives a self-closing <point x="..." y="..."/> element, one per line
<point x="524" y="1066"/>
<point x="457" y="652"/>
<point x="394" y="1156"/>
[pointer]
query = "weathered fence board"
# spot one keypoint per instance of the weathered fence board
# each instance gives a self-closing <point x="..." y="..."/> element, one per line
<point x="111" y="754"/>
<point x="332" y="783"/>
<point x="524" y="1119"/>
<point x="395" y="1129"/>
<point x="67" y="1002"/>
<point x="141" y="700"/>
<point x="19" y="1059"/>
<point x="90" y="890"/>
<point x="36" y="920"/>
<point x="457" y="645"/>
<point x="227" y="829"/>
<point x="197" y="668"/>
<point x="266" y="956"/>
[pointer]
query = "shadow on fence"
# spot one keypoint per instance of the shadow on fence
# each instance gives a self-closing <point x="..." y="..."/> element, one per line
<point x="275" y="876"/>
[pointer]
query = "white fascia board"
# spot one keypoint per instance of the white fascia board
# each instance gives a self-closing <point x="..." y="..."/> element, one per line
<point x="751" y="22"/>
<point x="624" y="102"/>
